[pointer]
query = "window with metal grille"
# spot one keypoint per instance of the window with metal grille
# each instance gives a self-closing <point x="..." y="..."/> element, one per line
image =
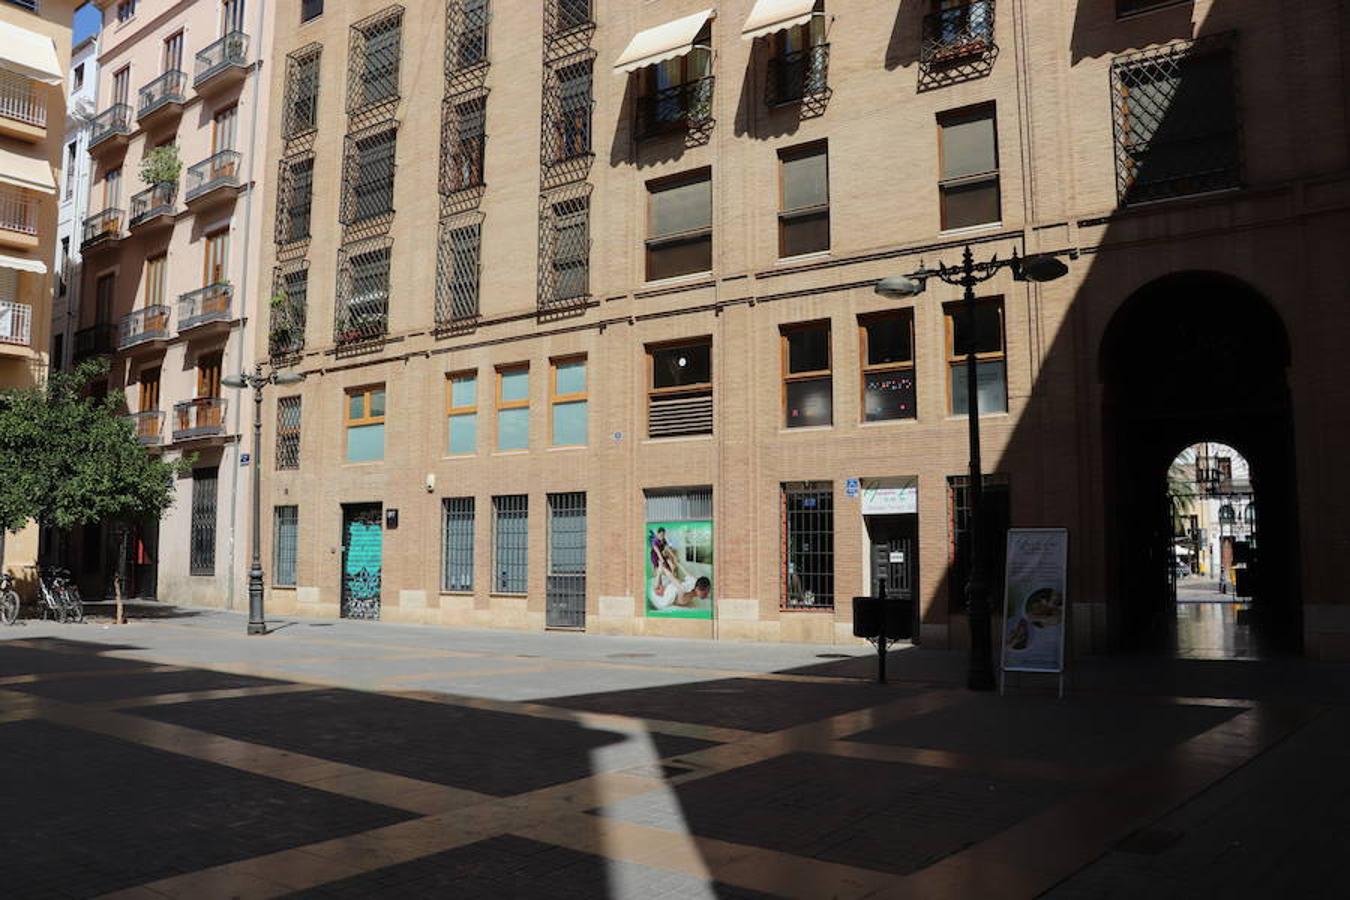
<point x="800" y="63"/>
<point x="679" y="505"/>
<point x="462" y="412"/>
<point x="565" y="588"/>
<point x="285" y="544"/>
<point x="995" y="518"/>
<point x="808" y="382"/>
<point x="575" y="102"/>
<point x="571" y="249"/>
<point x="375" y="51"/>
<point x="679" y="226"/>
<point x="887" y="365"/>
<point x="202" y="534"/>
<point x="286" y="329"/>
<point x="510" y="544"/>
<point x="471" y="40"/>
<point x="808" y="544"/>
<point x="302" y="91"/>
<point x="295" y="199"/>
<point x="457" y="544"/>
<point x="363" y="302"/>
<point x="370" y="176"/>
<point x="573" y="14"/>
<point x="288" y="433"/>
<point x="569" y="402"/>
<point x="804" y="201"/>
<point x="310" y="9"/>
<point x="680" y="396"/>
<point x="968" y="156"/>
<point x="991" y="364"/>
<point x="1177" y="130"/>
<point x="465" y="145"/>
<point x="457" y="271"/>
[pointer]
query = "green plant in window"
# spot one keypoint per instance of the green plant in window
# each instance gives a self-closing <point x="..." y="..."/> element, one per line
<point x="161" y="165"/>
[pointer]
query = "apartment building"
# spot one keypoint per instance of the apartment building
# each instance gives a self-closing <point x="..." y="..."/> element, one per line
<point x="583" y="297"/>
<point x="34" y="60"/>
<point x="73" y="189"/>
<point x="168" y="246"/>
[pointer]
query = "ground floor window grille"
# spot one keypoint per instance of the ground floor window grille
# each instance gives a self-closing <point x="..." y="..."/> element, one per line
<point x="995" y="515"/>
<point x="510" y="544"/>
<point x="202" y="538"/>
<point x="808" y="544"/>
<point x="286" y="534"/>
<point x="457" y="540"/>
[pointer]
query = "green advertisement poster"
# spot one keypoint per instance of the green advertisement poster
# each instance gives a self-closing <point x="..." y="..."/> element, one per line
<point x="678" y="582"/>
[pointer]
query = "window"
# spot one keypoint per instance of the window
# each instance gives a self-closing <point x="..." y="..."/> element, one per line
<point x="216" y="259"/>
<point x="968" y="147"/>
<point x="288" y="433"/>
<point x="173" y="52"/>
<point x="995" y="518"/>
<point x="573" y="14"/>
<point x="680" y="398"/>
<point x="513" y="407"/>
<point x="202" y="536"/>
<point x="296" y="198"/>
<point x="571" y="249"/>
<point x="302" y="92"/>
<point x="121" y="89"/>
<point x="800" y="64"/>
<point x="472" y="42"/>
<point x="1177" y="129"/>
<point x="310" y="9"/>
<point x="457" y="278"/>
<point x="457" y="544"/>
<point x="78" y="74"/>
<point x="63" y="276"/>
<point x="364" y="312"/>
<point x="679" y="227"/>
<point x="887" y="365"/>
<point x="222" y="129"/>
<point x="678" y="92"/>
<point x="463" y="412"/>
<point x="285" y="544"/>
<point x="378" y="62"/>
<point x="372" y="182"/>
<point x="574" y="115"/>
<point x="149" y="392"/>
<point x="569" y="402"/>
<point x="208" y="378"/>
<point x="103" y="298"/>
<point x="804" y="202"/>
<point x="112" y="187"/>
<point x="808" y="544"/>
<point x="286" y="329"/>
<point x="231" y="16"/>
<point x="70" y="170"/>
<point x="365" y="424"/>
<point x="986" y="339"/>
<point x="126" y="9"/>
<point x="510" y="544"/>
<point x="466" y="147"/>
<point x="808" y="388"/>
<point x="154" y="280"/>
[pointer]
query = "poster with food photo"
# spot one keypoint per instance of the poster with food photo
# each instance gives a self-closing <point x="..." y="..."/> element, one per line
<point x="678" y="581"/>
<point x="1034" y="599"/>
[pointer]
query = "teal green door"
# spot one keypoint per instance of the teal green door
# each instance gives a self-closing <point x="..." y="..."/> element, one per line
<point x="362" y="560"/>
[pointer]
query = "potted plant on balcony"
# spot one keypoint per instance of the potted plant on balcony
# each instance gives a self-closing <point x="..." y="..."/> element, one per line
<point x="161" y="166"/>
<point x="235" y="46"/>
<point x="282" y="333"/>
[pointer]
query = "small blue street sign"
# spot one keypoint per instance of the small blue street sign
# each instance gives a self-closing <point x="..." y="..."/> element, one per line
<point x="851" y="487"/>
<point x="243" y="459"/>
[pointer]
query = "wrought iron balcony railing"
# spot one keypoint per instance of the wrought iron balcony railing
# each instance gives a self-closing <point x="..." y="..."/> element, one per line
<point x="148" y="324"/>
<point x="220" y="170"/>
<point x="148" y="425"/>
<point x="675" y="108"/>
<point x="103" y="227"/>
<point x="958" y="33"/>
<point x="204" y="305"/>
<point x="96" y="340"/>
<point x="199" y="418"/>
<point x="216" y="57"/>
<point x="18" y="211"/>
<point x="114" y="120"/>
<point x="20" y="100"/>
<point x="171" y="87"/>
<point x="361" y="320"/>
<point x="156" y="200"/>
<point x="16" y="323"/>
<point x="801" y="73"/>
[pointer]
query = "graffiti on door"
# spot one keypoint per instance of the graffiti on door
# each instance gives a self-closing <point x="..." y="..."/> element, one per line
<point x="362" y="548"/>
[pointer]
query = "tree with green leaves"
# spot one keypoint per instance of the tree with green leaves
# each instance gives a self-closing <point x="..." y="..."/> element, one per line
<point x="68" y="459"/>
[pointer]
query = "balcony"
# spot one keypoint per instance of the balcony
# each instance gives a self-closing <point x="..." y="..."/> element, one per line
<point x="153" y="207"/>
<point x="111" y="128"/>
<point x="221" y="65"/>
<point x="675" y="109"/>
<point x="16" y="325"/>
<point x="958" y="34"/>
<point x="795" y="76"/>
<point x="18" y="219"/>
<point x="200" y="419"/>
<point x="96" y="340"/>
<point x="102" y="229"/>
<point x="163" y="98"/>
<point x="204" y="307"/>
<point x="149" y="427"/>
<point x="145" y="330"/>
<point x="214" y="178"/>
<point x="23" y="111"/>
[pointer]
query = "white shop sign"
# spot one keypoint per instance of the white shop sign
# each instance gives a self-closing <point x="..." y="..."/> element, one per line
<point x="883" y="501"/>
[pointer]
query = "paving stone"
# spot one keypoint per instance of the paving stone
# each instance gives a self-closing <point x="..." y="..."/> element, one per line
<point x="492" y="752"/>
<point x="139" y="684"/>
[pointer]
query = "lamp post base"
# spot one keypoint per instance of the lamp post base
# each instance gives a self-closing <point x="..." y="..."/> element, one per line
<point x="257" y="628"/>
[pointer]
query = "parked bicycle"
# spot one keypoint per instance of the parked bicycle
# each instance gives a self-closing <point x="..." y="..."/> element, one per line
<point x="9" y="599"/>
<point x="58" y="597"/>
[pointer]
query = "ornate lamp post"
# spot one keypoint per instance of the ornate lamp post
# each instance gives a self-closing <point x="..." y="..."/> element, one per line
<point x="980" y="675"/>
<point x="257" y="381"/>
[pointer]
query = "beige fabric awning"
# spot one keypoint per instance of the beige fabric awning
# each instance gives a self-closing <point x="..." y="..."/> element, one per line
<point x="26" y="172"/>
<point x="29" y="54"/>
<point x="647" y="48"/>
<point x="769" y="16"/>
<point x="20" y="264"/>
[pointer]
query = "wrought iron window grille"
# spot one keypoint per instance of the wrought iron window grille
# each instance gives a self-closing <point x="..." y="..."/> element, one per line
<point x="373" y="60"/>
<point x="808" y="544"/>
<point x="466" y="35"/>
<point x="510" y="544"/>
<point x="295" y="198"/>
<point x="564" y="248"/>
<point x="361" y="311"/>
<point x="300" y="114"/>
<point x="681" y="107"/>
<point x="286" y="324"/>
<point x="288" y="432"/>
<point x="285" y="544"/>
<point x="202" y="536"/>
<point x="463" y="143"/>
<point x="458" y="269"/>
<point x="368" y="182"/>
<point x="562" y="16"/>
<point x="957" y="44"/>
<point x="457" y="543"/>
<point x="565" y="587"/>
<point x="568" y="106"/>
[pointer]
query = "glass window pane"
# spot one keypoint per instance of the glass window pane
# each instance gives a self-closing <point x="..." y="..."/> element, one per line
<point x="968" y="147"/>
<point x="513" y="429"/>
<point x="805" y="234"/>
<point x="365" y="443"/>
<point x="678" y="366"/>
<point x="966" y="205"/>
<point x="888" y="395"/>
<point x="571" y="377"/>
<point x="515" y="385"/>
<point x="806" y="181"/>
<point x="356" y="406"/>
<point x="809" y="349"/>
<point x="679" y="258"/>
<point x="988" y="329"/>
<point x="464" y="391"/>
<point x="684" y="207"/>
<point x="569" y="424"/>
<point x="464" y="433"/>
<point x="377" y="402"/>
<point x="991" y="380"/>
<point x="889" y="340"/>
<point x="809" y="402"/>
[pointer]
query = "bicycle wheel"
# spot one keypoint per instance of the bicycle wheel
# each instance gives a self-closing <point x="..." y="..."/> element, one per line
<point x="74" y="607"/>
<point x="9" y="607"/>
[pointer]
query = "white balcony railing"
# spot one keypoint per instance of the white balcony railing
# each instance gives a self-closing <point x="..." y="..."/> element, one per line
<point x="20" y="100"/>
<point x="18" y="211"/>
<point x="16" y="323"/>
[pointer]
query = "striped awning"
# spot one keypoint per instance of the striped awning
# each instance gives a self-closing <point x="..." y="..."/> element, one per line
<point x="31" y="55"/>
<point x="26" y="172"/>
<point x="668" y="41"/>
<point x="769" y="16"/>
<point x="19" y="264"/>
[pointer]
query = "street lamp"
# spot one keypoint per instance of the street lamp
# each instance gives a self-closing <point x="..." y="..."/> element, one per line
<point x="1038" y="268"/>
<point x="257" y="381"/>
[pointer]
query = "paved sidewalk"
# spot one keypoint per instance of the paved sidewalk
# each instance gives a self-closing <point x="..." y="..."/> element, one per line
<point x="181" y="758"/>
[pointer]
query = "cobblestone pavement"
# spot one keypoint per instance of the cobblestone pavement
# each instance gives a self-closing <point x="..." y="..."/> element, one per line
<point x="181" y="758"/>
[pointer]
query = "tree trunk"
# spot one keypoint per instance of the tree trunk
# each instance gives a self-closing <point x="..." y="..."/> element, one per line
<point x="119" y="582"/>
